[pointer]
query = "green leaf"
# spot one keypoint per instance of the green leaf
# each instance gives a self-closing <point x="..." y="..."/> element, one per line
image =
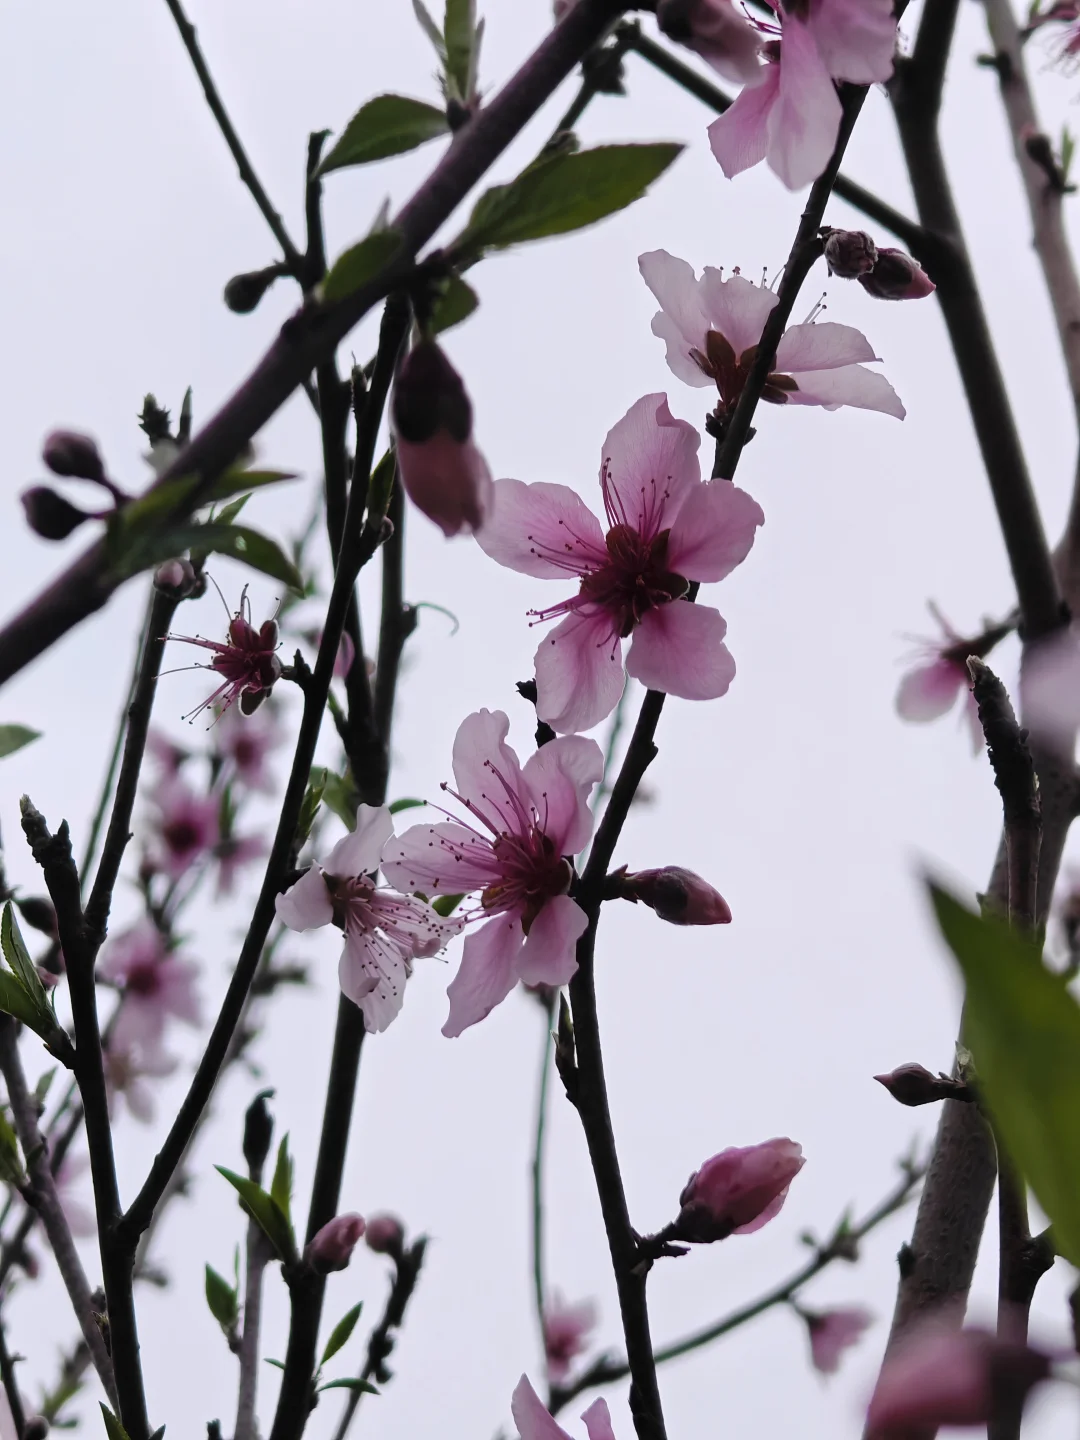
<point x="339" y="1336"/>
<point x="15" y="1001"/>
<point x="360" y="263"/>
<point x="223" y="1300"/>
<point x="409" y="803"/>
<point x="14" y="737"/>
<point x="277" y="1364"/>
<point x="456" y="303"/>
<point x="459" y="36"/>
<point x="563" y="192"/>
<point x="236" y="479"/>
<point x="282" y="1183"/>
<point x="430" y="29"/>
<point x="11" y="1168"/>
<point x="266" y="1213"/>
<point x="311" y="802"/>
<point x="18" y="957"/>
<point x="387" y="125"/>
<point x="364" y="1386"/>
<point x="1023" y="1028"/>
<point x="228" y="513"/>
<point x="113" y="1428"/>
<point x="341" y="796"/>
<point x="446" y="904"/>
<point x="25" y="989"/>
<point x="41" y="1089"/>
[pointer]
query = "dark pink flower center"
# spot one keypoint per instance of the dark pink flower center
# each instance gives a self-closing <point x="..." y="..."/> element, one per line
<point x="635" y="579"/>
<point x="182" y="836"/>
<point x="730" y="372"/>
<point x="532" y="874"/>
<point x="143" y="979"/>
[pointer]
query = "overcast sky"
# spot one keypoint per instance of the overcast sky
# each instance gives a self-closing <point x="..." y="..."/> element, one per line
<point x="800" y="795"/>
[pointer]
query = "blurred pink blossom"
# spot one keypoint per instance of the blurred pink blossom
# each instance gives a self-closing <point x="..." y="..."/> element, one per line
<point x="384" y="932"/>
<point x="185" y="828"/>
<point x="332" y="1247"/>
<point x="665" y="528"/>
<point x="155" y="985"/>
<point x="166" y="752"/>
<point x="832" y="1332"/>
<point x="566" y="1334"/>
<point x="534" y="815"/>
<point x="789" y="115"/>
<point x="385" y="1234"/>
<point x="233" y="854"/>
<point x="128" y="1073"/>
<point x="738" y="1191"/>
<point x="930" y="688"/>
<point x="246" y="742"/>
<point x="535" y="1423"/>
<point x="712" y="327"/>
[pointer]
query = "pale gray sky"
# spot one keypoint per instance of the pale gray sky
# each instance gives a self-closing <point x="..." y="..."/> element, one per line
<point x="799" y="795"/>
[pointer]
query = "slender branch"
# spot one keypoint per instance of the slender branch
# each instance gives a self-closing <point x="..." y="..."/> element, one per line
<point x="13" y="1249"/>
<point x="381" y="1344"/>
<point x="293" y="258"/>
<point x="843" y="1246"/>
<point x="909" y="231"/>
<point x="258" y="1255"/>
<point x="11" y="1385"/>
<point x="538" y="1172"/>
<point x="41" y="1195"/>
<point x="397" y="620"/>
<point x="315" y="331"/>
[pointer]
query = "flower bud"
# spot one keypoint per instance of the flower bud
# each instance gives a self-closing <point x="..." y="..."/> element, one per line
<point x="678" y="896"/>
<point x="952" y="1377"/>
<point x="442" y="471"/>
<point x="385" y="1234"/>
<point x="35" y="1428"/>
<point x="737" y="1191"/>
<point x="176" y="578"/>
<point x="243" y="292"/>
<point x="39" y="912"/>
<point x="49" y="514"/>
<point x="717" y="32"/>
<point x="258" y="1132"/>
<point x="849" y="253"/>
<point x="70" y="454"/>
<point x="333" y="1245"/>
<point x="896" y="276"/>
<point x="915" y="1085"/>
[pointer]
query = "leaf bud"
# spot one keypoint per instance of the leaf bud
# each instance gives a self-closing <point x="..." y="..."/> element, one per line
<point x="50" y="515"/>
<point x="35" y="1428"/>
<point x="258" y="1132"/>
<point x="243" y="292"/>
<point x="849" y="253"/>
<point x="72" y="455"/>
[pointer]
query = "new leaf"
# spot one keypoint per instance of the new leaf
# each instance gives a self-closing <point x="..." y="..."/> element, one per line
<point x="387" y="125"/>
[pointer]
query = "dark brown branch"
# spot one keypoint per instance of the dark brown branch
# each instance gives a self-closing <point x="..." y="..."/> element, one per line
<point x="11" y="1385"/>
<point x="397" y="620"/>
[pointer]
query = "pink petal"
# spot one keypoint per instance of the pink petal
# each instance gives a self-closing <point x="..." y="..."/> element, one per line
<point x="678" y="648"/>
<point x="713" y="531"/>
<point x="855" y="38"/>
<point x="769" y="1213"/>
<point x="726" y="41"/>
<point x="681" y="322"/>
<point x="832" y="1332"/>
<point x="735" y="307"/>
<point x="598" y="1421"/>
<point x="648" y="465"/>
<point x="542" y="530"/>
<point x="822" y="347"/>
<point x="411" y="924"/>
<point x="487" y="973"/>
<point x="560" y="776"/>
<point x="307" y="904"/>
<point x="443" y="859"/>
<point x="547" y="957"/>
<point x="372" y="974"/>
<point x="179" y="995"/>
<point x="739" y="137"/>
<point x="850" y="385"/>
<point x="360" y="851"/>
<point x="531" y="1416"/>
<point x="930" y="690"/>
<point x="486" y="769"/>
<point x="579" y="672"/>
<point x="803" y="124"/>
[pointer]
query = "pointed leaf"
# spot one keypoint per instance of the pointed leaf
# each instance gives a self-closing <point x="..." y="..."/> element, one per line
<point x="339" y="1336"/>
<point x="364" y="1386"/>
<point x="228" y="513"/>
<point x="14" y="737"/>
<point x="282" y="1183"/>
<point x="1023" y="1028"/>
<point x="409" y="803"/>
<point x="455" y="304"/>
<point x="430" y="29"/>
<point x="113" y="1428"/>
<point x="459" y="32"/>
<point x="15" y="1001"/>
<point x="237" y="478"/>
<point x="360" y="263"/>
<point x="446" y="904"/>
<point x="563" y="192"/>
<point x="223" y="1300"/>
<point x="387" y="125"/>
<point x="266" y="1213"/>
<point x="341" y="796"/>
<point x="18" y="957"/>
<point x="278" y="1364"/>
<point x="11" y="1167"/>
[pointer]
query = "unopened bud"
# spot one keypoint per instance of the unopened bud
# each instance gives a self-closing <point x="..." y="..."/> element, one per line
<point x="896" y="276"/>
<point x="333" y="1245"/>
<point x="915" y="1085"/>
<point x="717" y="31"/>
<point x="35" y="1428"/>
<point x="737" y="1191"/>
<point x="678" y="896"/>
<point x="429" y="396"/>
<point x="50" y="515"/>
<point x="176" y="577"/>
<point x="258" y="1132"/>
<point x="385" y="1234"/>
<point x="70" y="454"/>
<point x="243" y="292"/>
<point x="849" y="253"/>
<point x="38" y="911"/>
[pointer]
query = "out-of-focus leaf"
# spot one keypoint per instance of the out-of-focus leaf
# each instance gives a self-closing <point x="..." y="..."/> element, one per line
<point x="456" y="303"/>
<point x="351" y="1383"/>
<point x="339" y="1336"/>
<point x="430" y="29"/>
<point x="11" y="1168"/>
<point x="387" y="125"/>
<point x="446" y="904"/>
<point x="360" y="263"/>
<point x="311" y="802"/>
<point x="113" y="1428"/>
<point x="236" y="479"/>
<point x="238" y="541"/>
<point x="340" y="796"/>
<point x="459" y="38"/>
<point x="14" y="737"/>
<point x="409" y="803"/>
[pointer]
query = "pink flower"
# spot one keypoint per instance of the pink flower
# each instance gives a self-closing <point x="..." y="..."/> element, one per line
<point x="443" y="472"/>
<point x="717" y="31"/>
<point x="712" y="327"/>
<point x="247" y="660"/>
<point x="930" y="689"/>
<point x="331" y="1247"/>
<point x="186" y="828"/>
<point x="678" y="896"/>
<point x="665" y="529"/>
<point x="790" y="115"/>
<point x="832" y="1332"/>
<point x="156" y="984"/>
<point x="232" y="855"/>
<point x="535" y="1423"/>
<point x="951" y="1377"/>
<point x="126" y="1074"/>
<point x="168" y="755"/>
<point x="384" y="932"/>
<point x="385" y="1234"/>
<point x="246" y="742"/>
<point x="737" y="1191"/>
<point x="566" y="1335"/>
<point x="534" y="815"/>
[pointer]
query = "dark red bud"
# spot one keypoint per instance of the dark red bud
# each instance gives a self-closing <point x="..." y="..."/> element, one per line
<point x="38" y="912"/>
<point x="429" y="396"/>
<point x="50" y="515"/>
<point x="915" y="1085"/>
<point x="70" y="454"/>
<point x="896" y="276"/>
<point x="850" y="253"/>
<point x="243" y="292"/>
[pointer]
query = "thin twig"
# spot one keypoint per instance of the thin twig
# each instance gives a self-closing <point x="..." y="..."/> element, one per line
<point x="258" y="1255"/>
<point x="542" y="1086"/>
<point x="397" y="620"/>
<point x="11" y="1384"/>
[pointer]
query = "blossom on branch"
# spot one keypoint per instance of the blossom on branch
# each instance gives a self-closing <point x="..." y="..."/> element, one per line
<point x="155" y="984"/>
<point x="712" y="328"/>
<point x="384" y="931"/>
<point x="566" y="1334"/>
<point x="832" y="1332"/>
<point x="665" y="528"/>
<point x="789" y="114"/>
<point x="247" y="660"/>
<point x="535" y="1423"/>
<point x="722" y="36"/>
<point x="246" y="744"/>
<point x="530" y="818"/>
<point x="186" y="827"/>
<point x="931" y="687"/>
<point x="127" y="1073"/>
<point x="737" y="1191"/>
